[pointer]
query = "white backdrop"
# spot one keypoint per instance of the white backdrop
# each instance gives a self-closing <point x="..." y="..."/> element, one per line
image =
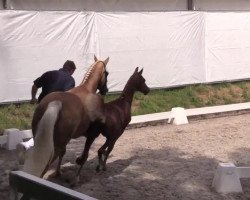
<point x="33" y="42"/>
<point x="227" y="46"/>
<point x="168" y="45"/>
<point x="174" y="48"/>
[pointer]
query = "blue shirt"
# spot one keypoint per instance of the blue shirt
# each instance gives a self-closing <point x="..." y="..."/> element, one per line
<point x="53" y="81"/>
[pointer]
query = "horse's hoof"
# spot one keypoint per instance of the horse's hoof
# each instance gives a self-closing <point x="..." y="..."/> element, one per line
<point x="97" y="168"/>
<point x="79" y="161"/>
<point x="58" y="174"/>
<point x="74" y="182"/>
<point x="104" y="168"/>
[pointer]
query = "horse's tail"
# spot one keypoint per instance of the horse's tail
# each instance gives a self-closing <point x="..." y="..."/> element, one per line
<point x="40" y="156"/>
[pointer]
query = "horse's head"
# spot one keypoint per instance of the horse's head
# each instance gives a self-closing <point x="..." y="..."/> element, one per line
<point x="102" y="85"/>
<point x="140" y="82"/>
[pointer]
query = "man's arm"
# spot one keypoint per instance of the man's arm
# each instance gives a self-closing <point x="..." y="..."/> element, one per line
<point x="33" y="94"/>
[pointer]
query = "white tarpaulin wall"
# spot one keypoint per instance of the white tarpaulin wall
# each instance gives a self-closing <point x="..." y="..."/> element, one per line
<point x="227" y="46"/>
<point x="33" y="42"/>
<point x="174" y="48"/>
<point x="168" y="45"/>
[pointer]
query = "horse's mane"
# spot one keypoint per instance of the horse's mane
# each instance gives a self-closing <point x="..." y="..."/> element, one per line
<point x="88" y="73"/>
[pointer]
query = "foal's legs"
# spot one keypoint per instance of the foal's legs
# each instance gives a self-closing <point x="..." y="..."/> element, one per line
<point x="110" y="148"/>
<point x="101" y="152"/>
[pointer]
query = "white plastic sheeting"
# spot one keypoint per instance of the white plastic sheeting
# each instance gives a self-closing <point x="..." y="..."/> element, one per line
<point x="168" y="46"/>
<point x="174" y="48"/>
<point x="33" y="42"/>
<point x="227" y="46"/>
<point x="98" y="5"/>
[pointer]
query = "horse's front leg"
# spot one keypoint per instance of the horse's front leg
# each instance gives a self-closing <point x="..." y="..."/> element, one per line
<point x="110" y="148"/>
<point x="101" y="152"/>
<point x="83" y="158"/>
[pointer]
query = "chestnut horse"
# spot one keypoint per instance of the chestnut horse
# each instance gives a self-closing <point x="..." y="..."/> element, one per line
<point x="118" y="116"/>
<point x="61" y="116"/>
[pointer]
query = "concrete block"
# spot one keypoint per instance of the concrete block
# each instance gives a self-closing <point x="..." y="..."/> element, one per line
<point x="243" y="172"/>
<point x="3" y="140"/>
<point x="178" y="116"/>
<point x="14" y="137"/>
<point x="226" y="179"/>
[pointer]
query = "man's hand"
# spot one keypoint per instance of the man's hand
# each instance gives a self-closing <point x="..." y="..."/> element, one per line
<point x="33" y="101"/>
<point x="33" y="94"/>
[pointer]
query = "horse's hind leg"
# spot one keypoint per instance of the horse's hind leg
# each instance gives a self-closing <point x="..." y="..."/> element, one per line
<point x="60" y="154"/>
<point x="48" y="165"/>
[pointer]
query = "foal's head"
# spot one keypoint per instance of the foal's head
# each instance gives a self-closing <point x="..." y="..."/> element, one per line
<point x="139" y="82"/>
<point x="102" y="86"/>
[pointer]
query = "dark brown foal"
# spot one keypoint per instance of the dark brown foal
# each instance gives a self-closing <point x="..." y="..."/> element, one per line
<point x="118" y="116"/>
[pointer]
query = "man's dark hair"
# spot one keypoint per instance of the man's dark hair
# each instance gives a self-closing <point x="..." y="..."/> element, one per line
<point x="69" y="65"/>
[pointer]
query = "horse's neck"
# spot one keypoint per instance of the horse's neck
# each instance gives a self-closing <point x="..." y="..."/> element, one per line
<point x="91" y="81"/>
<point x="128" y="94"/>
<point x="91" y="84"/>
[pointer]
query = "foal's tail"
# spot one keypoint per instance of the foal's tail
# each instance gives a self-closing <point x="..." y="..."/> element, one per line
<point x="40" y="156"/>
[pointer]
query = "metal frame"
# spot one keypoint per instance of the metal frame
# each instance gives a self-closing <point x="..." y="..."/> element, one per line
<point x="4" y="4"/>
<point x="33" y="187"/>
<point x="190" y="4"/>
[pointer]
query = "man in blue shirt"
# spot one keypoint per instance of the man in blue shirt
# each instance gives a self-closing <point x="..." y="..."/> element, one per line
<point x="53" y="81"/>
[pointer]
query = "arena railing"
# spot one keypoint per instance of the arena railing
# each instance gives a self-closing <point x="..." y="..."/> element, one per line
<point x="29" y="187"/>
